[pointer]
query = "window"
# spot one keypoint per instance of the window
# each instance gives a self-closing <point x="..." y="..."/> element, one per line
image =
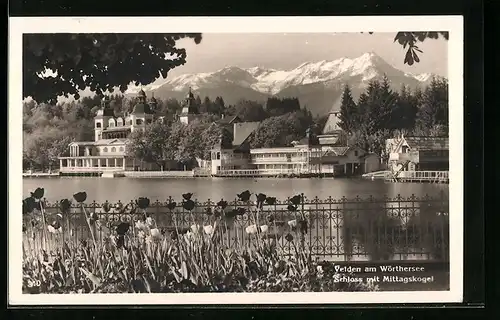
<point x="356" y="153"/>
<point x="218" y="155"/>
<point x="113" y="149"/>
<point x="138" y="122"/>
<point x="119" y="122"/>
<point x="105" y="149"/>
<point x="149" y="121"/>
<point x="130" y="122"/>
<point x="121" y="149"/>
<point x="97" y="124"/>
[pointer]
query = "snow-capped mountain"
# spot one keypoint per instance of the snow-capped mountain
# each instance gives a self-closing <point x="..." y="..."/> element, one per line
<point x="316" y="84"/>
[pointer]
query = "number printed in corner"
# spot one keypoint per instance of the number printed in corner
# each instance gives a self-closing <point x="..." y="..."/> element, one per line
<point x="33" y="283"/>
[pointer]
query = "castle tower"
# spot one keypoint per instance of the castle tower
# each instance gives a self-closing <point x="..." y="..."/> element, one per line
<point x="142" y="114"/>
<point x="189" y="108"/>
<point x="101" y="120"/>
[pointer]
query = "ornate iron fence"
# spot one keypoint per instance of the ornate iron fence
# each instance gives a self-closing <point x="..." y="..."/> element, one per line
<point x="359" y="229"/>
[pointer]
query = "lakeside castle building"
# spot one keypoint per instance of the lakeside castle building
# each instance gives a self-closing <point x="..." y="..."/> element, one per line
<point x="324" y="154"/>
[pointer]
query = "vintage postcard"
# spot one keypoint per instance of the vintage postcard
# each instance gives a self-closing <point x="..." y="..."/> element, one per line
<point x="235" y="160"/>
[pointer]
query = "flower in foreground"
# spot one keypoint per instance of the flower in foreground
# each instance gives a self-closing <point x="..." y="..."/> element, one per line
<point x="244" y="196"/>
<point x="209" y="230"/>
<point x="80" y="196"/>
<point x="53" y="229"/>
<point x="251" y="229"/>
<point x="264" y="228"/>
<point x="64" y="205"/>
<point x="292" y="223"/>
<point x="150" y="222"/>
<point x="195" y="228"/>
<point x="38" y="193"/>
<point x="141" y="225"/>
<point x="142" y="202"/>
<point x="156" y="234"/>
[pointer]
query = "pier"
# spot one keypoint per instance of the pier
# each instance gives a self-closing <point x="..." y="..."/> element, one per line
<point x="40" y="174"/>
<point x="410" y="176"/>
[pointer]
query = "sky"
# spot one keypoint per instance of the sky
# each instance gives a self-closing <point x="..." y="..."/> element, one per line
<point x="287" y="51"/>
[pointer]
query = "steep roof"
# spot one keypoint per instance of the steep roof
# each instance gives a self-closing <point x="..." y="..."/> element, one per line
<point x="428" y="143"/>
<point x="331" y="124"/>
<point x="243" y="131"/>
<point x="142" y="108"/>
<point x="229" y="120"/>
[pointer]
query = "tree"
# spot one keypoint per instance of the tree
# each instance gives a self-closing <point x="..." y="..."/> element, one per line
<point x="348" y="111"/>
<point x="433" y="111"/>
<point x="151" y="145"/>
<point x="101" y="62"/>
<point x="406" y="109"/>
<point x="410" y="40"/>
<point x="249" y="111"/>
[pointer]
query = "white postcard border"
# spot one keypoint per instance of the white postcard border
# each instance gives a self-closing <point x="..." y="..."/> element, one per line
<point x="18" y="26"/>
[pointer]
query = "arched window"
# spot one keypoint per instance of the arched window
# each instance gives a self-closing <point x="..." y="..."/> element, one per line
<point x="122" y="149"/>
<point x="113" y="149"/>
<point x="138" y="122"/>
<point x="105" y="149"/>
<point x="111" y="123"/>
<point x="119" y="122"/>
<point x="97" y="124"/>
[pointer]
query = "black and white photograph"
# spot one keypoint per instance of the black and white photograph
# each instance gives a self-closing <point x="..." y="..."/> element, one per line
<point x="275" y="160"/>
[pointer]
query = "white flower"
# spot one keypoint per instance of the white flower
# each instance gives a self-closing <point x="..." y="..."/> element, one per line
<point x="59" y="215"/>
<point x="319" y="269"/>
<point x="292" y="223"/>
<point x="208" y="229"/>
<point x="251" y="229"/>
<point x="264" y="228"/>
<point x="51" y="229"/>
<point x="141" y="225"/>
<point x="150" y="221"/>
<point x="195" y="228"/>
<point x="141" y="234"/>
<point x="155" y="233"/>
<point x="189" y="236"/>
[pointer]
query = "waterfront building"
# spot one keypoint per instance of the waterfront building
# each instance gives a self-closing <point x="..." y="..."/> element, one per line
<point x="107" y="153"/>
<point x="327" y="154"/>
<point x="190" y="109"/>
<point x="414" y="153"/>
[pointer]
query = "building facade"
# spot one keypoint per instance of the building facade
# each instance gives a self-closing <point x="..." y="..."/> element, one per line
<point x="414" y="153"/>
<point x="107" y="153"/>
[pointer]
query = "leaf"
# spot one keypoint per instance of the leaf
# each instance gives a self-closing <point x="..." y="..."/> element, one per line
<point x="415" y="57"/>
<point x="95" y="280"/>
<point x="408" y="57"/>
<point x="184" y="270"/>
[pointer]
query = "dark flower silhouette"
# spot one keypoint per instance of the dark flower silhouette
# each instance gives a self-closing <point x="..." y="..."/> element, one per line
<point x="292" y="207"/>
<point x="222" y="204"/>
<point x="289" y="237"/>
<point x="295" y="199"/>
<point x="29" y="204"/>
<point x="244" y="196"/>
<point x="38" y="193"/>
<point x="187" y="196"/>
<point x="240" y="211"/>
<point x="80" y="196"/>
<point x="171" y="205"/>
<point x="208" y="211"/>
<point x="122" y="228"/>
<point x="188" y="205"/>
<point x="260" y="200"/>
<point x="271" y="200"/>
<point x="64" y="205"/>
<point x="303" y="226"/>
<point x="142" y="202"/>
<point x="106" y="207"/>
<point x="270" y="218"/>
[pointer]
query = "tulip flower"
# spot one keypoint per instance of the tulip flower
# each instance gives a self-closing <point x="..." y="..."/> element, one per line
<point x="171" y="205"/>
<point x="142" y="202"/>
<point x="209" y="230"/>
<point x="141" y="225"/>
<point x="150" y="221"/>
<point x="251" y="229"/>
<point x="264" y="228"/>
<point x="155" y="234"/>
<point x="292" y="223"/>
<point x="80" y="196"/>
<point x="38" y="193"/>
<point x="195" y="228"/>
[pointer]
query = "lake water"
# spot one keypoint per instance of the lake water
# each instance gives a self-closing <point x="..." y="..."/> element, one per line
<point x="126" y="189"/>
